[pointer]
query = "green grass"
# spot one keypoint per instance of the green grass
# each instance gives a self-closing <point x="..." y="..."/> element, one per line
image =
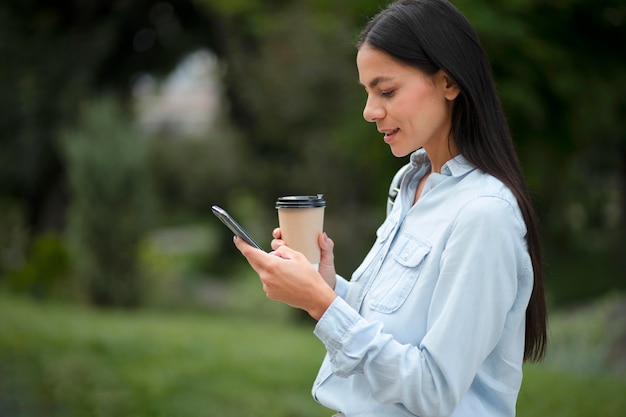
<point x="58" y="360"/>
<point x="549" y="392"/>
<point x="68" y="361"/>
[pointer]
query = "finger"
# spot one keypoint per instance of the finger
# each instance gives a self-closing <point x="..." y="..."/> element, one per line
<point x="240" y="244"/>
<point x="253" y="255"/>
<point x="245" y="248"/>
<point x="276" y="233"/>
<point x="277" y="243"/>
<point x="326" y="243"/>
<point x="286" y="252"/>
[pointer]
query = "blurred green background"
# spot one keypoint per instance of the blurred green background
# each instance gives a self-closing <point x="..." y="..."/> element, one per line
<point x="123" y="122"/>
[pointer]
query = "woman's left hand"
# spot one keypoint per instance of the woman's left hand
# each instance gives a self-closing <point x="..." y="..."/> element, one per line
<point x="287" y="276"/>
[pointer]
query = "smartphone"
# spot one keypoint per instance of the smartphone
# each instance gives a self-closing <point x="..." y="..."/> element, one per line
<point x="234" y="226"/>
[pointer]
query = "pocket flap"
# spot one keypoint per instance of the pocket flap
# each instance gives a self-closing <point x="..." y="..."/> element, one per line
<point x="410" y="251"/>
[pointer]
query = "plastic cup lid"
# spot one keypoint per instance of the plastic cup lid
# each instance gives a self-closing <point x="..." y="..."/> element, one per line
<point x="301" y="201"/>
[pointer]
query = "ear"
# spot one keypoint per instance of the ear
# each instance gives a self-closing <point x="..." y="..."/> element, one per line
<point x="450" y="88"/>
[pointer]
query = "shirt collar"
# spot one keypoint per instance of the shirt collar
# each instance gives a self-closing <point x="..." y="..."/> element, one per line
<point x="455" y="167"/>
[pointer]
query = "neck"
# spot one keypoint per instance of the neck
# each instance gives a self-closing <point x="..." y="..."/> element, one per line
<point x="440" y="155"/>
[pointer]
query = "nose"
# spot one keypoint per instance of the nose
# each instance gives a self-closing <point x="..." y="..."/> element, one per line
<point x="372" y="110"/>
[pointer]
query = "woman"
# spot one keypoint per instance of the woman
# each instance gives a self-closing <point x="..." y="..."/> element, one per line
<point x="449" y="302"/>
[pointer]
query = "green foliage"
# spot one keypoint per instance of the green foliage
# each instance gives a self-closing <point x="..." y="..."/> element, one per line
<point x="46" y="269"/>
<point x="293" y="89"/>
<point x="13" y="236"/>
<point x="560" y="393"/>
<point x="112" y="202"/>
<point x="190" y="175"/>
<point x="564" y="92"/>
<point x="173" y="261"/>
<point x="72" y="361"/>
<point x="590" y="339"/>
<point x="293" y="99"/>
<point x="56" y="56"/>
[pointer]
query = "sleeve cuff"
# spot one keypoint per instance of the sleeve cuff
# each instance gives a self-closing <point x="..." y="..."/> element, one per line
<point x="341" y="286"/>
<point x="336" y="322"/>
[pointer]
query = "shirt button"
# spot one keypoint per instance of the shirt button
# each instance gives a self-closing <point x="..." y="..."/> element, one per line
<point x="405" y="256"/>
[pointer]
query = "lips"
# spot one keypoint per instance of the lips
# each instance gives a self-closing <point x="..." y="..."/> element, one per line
<point x="389" y="133"/>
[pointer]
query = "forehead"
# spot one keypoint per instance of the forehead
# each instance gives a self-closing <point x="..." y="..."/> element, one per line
<point x="375" y="65"/>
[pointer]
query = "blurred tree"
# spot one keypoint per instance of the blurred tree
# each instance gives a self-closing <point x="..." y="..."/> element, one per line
<point x="46" y="271"/>
<point x="112" y="204"/>
<point x="563" y="87"/>
<point x="58" y="53"/>
<point x="292" y="90"/>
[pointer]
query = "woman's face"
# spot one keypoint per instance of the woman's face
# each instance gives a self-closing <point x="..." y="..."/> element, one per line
<point x="412" y="109"/>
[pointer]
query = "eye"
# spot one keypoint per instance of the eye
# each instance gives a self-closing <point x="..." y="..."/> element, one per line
<point x="387" y="93"/>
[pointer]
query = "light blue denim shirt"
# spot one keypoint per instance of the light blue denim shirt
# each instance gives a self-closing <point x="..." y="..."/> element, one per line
<point x="432" y="322"/>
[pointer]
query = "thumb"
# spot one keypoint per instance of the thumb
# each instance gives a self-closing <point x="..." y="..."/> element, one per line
<point x="327" y="256"/>
<point x="326" y="243"/>
<point x="327" y="261"/>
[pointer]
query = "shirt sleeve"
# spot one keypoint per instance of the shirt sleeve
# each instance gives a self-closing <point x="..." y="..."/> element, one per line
<point x="341" y="286"/>
<point x="476" y="288"/>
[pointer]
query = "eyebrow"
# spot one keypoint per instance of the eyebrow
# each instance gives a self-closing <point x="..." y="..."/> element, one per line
<point x="378" y="80"/>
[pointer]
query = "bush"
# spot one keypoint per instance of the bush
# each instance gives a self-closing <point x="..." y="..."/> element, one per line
<point x="13" y="236"/>
<point x="47" y="266"/>
<point x="111" y="202"/>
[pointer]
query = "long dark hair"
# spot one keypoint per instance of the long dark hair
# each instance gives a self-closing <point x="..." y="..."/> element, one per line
<point x="433" y="35"/>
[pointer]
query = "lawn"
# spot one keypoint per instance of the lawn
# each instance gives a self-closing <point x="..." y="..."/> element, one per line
<point x="59" y="360"/>
<point x="68" y="361"/>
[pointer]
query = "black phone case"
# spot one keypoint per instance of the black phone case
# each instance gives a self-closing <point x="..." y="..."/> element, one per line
<point x="235" y="227"/>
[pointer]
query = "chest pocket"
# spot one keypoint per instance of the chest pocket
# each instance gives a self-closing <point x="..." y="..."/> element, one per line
<point x="398" y="274"/>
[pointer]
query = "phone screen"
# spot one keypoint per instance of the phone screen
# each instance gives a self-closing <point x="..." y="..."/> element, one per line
<point x="234" y="226"/>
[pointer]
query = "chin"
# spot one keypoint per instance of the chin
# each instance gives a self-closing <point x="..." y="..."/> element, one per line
<point x="400" y="153"/>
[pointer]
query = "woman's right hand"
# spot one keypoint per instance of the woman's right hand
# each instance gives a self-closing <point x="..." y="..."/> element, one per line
<point x="327" y="261"/>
